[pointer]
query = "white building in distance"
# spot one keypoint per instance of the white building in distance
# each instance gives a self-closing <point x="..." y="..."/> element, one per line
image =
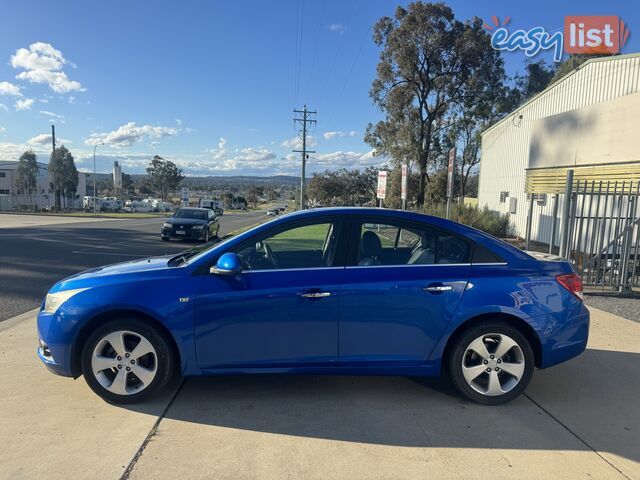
<point x="11" y="199"/>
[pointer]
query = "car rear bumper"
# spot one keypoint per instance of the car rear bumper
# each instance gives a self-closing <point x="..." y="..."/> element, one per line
<point x="566" y="335"/>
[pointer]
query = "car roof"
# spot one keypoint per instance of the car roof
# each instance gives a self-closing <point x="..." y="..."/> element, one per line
<point x="198" y="209"/>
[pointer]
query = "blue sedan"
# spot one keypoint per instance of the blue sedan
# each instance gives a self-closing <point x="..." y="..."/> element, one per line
<point x="326" y="291"/>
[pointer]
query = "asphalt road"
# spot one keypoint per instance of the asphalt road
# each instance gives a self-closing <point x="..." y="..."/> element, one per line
<point x="34" y="258"/>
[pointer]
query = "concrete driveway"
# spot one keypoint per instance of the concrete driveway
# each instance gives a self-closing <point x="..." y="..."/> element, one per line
<point x="577" y="420"/>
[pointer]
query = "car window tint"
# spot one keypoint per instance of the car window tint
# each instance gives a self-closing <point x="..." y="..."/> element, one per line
<point x="407" y="238"/>
<point x="388" y="244"/>
<point x="309" y="246"/>
<point x="484" y="255"/>
<point x="386" y="233"/>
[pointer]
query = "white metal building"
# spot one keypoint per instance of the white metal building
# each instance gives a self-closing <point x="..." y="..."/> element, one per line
<point x="11" y="199"/>
<point x="588" y="121"/>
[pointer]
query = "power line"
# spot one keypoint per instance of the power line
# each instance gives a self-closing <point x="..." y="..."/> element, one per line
<point x="299" y="55"/>
<point x="315" y="50"/>
<point x="346" y="82"/>
<point x="295" y="59"/>
<point x="335" y="57"/>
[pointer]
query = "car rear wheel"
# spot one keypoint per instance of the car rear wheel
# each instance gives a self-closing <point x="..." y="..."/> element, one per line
<point x="491" y="363"/>
<point x="126" y="361"/>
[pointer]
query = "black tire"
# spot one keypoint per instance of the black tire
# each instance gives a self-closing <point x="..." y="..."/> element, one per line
<point x="165" y="366"/>
<point x="165" y="239"/>
<point x="455" y="360"/>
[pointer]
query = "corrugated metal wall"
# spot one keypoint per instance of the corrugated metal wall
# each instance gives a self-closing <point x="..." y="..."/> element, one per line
<point x="505" y="146"/>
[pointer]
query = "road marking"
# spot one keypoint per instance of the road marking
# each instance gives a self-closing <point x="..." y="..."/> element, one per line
<point x="84" y="252"/>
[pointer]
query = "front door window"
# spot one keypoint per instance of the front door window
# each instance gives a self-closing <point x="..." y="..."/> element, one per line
<point x="308" y="246"/>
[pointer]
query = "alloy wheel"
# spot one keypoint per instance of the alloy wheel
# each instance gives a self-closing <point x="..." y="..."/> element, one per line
<point x="493" y="364"/>
<point x="124" y="362"/>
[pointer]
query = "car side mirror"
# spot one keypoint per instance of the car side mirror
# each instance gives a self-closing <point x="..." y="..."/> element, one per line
<point x="228" y="264"/>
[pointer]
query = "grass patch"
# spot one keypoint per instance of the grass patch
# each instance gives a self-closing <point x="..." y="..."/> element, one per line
<point x="489" y="221"/>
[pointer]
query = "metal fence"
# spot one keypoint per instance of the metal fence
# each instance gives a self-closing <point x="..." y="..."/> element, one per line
<point x="603" y="233"/>
<point x="599" y="231"/>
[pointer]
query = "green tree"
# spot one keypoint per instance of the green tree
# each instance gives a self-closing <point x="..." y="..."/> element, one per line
<point x="164" y="176"/>
<point x="128" y="188"/>
<point x="430" y="65"/>
<point x="27" y="176"/>
<point x="343" y="187"/>
<point x="536" y="79"/>
<point x="60" y="167"/>
<point x="70" y="179"/>
<point x="253" y="195"/>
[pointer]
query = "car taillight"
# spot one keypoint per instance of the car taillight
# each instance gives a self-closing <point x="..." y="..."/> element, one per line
<point x="571" y="282"/>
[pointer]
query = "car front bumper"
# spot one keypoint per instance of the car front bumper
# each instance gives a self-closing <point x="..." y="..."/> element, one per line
<point x="190" y="234"/>
<point x="54" y="348"/>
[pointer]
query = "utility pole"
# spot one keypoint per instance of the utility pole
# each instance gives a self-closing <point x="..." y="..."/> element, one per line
<point x="303" y="117"/>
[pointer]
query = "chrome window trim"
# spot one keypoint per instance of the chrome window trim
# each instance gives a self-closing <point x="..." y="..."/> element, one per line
<point x="414" y="265"/>
<point x="490" y="263"/>
<point x="270" y="270"/>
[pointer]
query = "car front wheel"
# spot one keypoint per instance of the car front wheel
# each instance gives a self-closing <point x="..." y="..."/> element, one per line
<point x="126" y="361"/>
<point x="491" y="363"/>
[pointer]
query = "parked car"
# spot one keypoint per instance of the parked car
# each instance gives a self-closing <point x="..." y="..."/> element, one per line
<point x="340" y="290"/>
<point x="206" y="203"/>
<point x="272" y="212"/>
<point x="191" y="224"/>
<point x="135" y="206"/>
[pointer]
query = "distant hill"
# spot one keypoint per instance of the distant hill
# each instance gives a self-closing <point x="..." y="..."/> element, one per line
<point x="217" y="181"/>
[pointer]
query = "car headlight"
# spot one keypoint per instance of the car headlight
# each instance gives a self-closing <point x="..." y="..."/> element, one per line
<point x="198" y="227"/>
<point x="54" y="300"/>
<point x="166" y="225"/>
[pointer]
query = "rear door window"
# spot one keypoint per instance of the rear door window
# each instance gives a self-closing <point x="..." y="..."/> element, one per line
<point x="392" y="243"/>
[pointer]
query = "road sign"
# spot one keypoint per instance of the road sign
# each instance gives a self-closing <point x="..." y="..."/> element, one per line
<point x="451" y="171"/>
<point x="403" y="185"/>
<point x="185" y="196"/>
<point x="382" y="185"/>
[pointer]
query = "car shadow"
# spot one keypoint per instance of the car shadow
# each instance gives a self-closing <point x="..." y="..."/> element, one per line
<point x="422" y="412"/>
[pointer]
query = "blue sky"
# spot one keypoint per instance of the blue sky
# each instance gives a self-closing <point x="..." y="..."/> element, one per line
<point x="211" y="85"/>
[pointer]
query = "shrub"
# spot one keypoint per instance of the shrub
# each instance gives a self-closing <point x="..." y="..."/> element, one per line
<point x="489" y="221"/>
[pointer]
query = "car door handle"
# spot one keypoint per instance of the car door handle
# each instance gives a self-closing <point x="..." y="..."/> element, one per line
<point x="437" y="288"/>
<point x="315" y="294"/>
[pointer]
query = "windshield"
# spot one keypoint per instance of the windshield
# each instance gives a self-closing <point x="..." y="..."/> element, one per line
<point x="195" y="214"/>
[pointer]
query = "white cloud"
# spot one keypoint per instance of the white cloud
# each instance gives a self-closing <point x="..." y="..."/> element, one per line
<point x="53" y="116"/>
<point x="24" y="104"/>
<point x="3" y="107"/>
<point x="128" y="134"/>
<point x="43" y="64"/>
<point x="339" y="134"/>
<point x="295" y="143"/>
<point x="340" y="159"/>
<point x="7" y="88"/>
<point x="337" y="28"/>
<point x="179" y="122"/>
<point x="220" y="151"/>
<point x="45" y="139"/>
<point x="2" y="129"/>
